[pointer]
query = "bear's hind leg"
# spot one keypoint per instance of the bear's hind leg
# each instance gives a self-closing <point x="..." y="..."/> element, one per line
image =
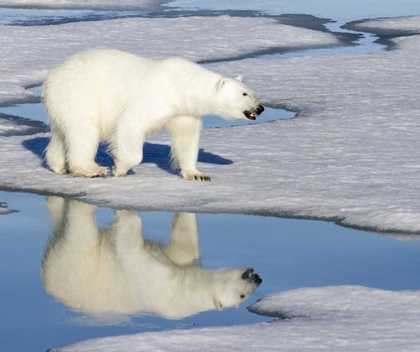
<point x="56" y="153"/>
<point x="185" y="138"/>
<point x="82" y="145"/>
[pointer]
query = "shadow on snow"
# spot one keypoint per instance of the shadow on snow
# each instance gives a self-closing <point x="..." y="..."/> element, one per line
<point x="158" y="154"/>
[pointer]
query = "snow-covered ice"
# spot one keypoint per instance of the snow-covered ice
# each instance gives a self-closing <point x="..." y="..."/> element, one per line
<point x="388" y="26"/>
<point x="336" y="318"/>
<point x="351" y="157"/>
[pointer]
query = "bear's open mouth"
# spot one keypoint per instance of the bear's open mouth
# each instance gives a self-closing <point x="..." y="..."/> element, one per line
<point x="252" y="114"/>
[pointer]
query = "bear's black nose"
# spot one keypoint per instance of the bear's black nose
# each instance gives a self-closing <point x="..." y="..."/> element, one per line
<point x="260" y="109"/>
<point x="257" y="279"/>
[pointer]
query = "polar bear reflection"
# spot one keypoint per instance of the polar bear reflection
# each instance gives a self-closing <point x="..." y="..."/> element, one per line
<point x="93" y="270"/>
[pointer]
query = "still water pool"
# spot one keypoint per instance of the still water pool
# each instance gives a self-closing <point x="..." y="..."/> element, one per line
<point x="45" y="304"/>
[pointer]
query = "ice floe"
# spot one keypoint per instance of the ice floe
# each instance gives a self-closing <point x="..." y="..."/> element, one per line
<point x="337" y="318"/>
<point x="351" y="157"/>
<point x="388" y="26"/>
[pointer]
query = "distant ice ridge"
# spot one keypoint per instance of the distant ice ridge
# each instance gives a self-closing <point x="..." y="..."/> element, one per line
<point x="406" y="25"/>
<point x="29" y="52"/>
<point x="83" y="4"/>
<point x="340" y="318"/>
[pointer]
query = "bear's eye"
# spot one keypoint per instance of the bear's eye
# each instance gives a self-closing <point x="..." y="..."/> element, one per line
<point x="242" y="296"/>
<point x="244" y="94"/>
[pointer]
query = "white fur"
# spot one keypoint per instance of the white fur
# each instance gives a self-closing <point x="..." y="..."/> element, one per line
<point x="120" y="98"/>
<point x="115" y="269"/>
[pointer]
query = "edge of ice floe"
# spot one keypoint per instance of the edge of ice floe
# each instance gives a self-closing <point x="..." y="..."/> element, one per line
<point x="332" y="317"/>
<point x="382" y="28"/>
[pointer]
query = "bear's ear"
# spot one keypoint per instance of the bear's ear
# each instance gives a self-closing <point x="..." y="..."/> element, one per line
<point x="239" y="78"/>
<point x="221" y="83"/>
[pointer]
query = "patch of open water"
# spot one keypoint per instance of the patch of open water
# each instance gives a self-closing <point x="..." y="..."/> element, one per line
<point x="286" y="253"/>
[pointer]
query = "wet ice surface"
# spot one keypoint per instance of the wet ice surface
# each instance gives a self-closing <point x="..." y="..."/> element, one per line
<point x="288" y="254"/>
<point x="348" y="318"/>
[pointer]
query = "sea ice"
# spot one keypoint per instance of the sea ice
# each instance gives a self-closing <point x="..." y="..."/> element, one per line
<point x="336" y="318"/>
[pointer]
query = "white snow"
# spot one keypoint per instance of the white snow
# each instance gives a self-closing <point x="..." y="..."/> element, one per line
<point x="340" y="318"/>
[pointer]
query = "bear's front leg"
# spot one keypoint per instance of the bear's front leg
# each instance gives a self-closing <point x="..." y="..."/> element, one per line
<point x="185" y="138"/>
<point x="82" y="144"/>
<point x="127" y="149"/>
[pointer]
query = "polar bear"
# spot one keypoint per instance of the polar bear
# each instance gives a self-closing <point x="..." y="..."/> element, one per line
<point x="114" y="269"/>
<point x="120" y="98"/>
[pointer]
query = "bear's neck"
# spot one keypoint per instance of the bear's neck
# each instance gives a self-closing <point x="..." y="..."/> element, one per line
<point x="194" y="93"/>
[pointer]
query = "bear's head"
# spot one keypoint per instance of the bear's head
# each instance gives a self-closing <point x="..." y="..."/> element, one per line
<point x="234" y="286"/>
<point x="235" y="100"/>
